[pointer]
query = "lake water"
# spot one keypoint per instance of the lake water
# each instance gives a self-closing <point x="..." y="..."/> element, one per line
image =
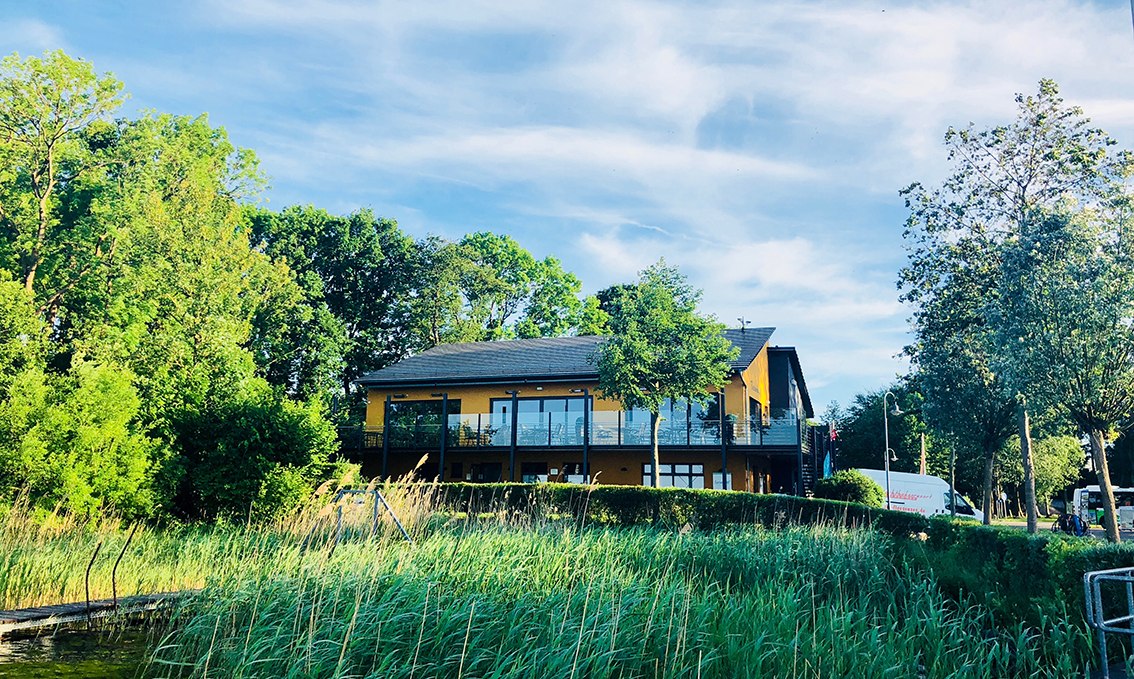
<point x="75" y="654"/>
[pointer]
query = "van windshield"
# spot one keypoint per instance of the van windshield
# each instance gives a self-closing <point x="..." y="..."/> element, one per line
<point x="963" y="507"/>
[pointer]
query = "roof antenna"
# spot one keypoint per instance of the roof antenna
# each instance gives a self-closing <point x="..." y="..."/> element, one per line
<point x="744" y="321"/>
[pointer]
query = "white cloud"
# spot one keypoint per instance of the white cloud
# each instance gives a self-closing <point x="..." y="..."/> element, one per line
<point x="590" y="141"/>
<point x="31" y="36"/>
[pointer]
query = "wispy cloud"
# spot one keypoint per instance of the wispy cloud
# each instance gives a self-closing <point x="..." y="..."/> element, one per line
<point x="759" y="145"/>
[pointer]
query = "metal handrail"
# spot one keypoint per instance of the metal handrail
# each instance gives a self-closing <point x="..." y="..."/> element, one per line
<point x="607" y="428"/>
<point x="1095" y="609"/>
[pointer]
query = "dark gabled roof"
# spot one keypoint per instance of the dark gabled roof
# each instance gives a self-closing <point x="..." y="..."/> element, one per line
<point x="750" y="341"/>
<point x="499" y="361"/>
<point x="545" y="358"/>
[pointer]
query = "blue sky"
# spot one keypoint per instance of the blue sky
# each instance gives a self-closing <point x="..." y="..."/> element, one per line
<point x="760" y="146"/>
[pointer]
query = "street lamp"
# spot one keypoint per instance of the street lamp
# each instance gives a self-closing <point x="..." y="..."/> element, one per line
<point x="886" y="454"/>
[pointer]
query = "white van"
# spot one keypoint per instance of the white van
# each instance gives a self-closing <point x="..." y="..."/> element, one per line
<point x="921" y="494"/>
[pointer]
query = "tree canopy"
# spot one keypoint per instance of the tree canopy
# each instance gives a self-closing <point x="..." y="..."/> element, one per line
<point x="662" y="348"/>
<point x="963" y="281"/>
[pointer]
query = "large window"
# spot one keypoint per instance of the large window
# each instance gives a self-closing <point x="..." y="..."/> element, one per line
<point x="540" y="421"/>
<point x="675" y="475"/>
<point x="418" y="423"/>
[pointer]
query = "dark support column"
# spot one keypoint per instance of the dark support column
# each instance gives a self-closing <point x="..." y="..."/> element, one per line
<point x="386" y="436"/>
<point x="586" y="436"/>
<point x="724" y="445"/>
<point x="444" y="435"/>
<point x="512" y="447"/>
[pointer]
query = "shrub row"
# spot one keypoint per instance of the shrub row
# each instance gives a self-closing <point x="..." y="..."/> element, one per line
<point x="705" y="509"/>
<point x="1014" y="573"/>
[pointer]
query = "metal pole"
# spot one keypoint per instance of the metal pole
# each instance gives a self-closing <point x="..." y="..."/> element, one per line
<point x="393" y="516"/>
<point x="114" y="571"/>
<point x="724" y="444"/>
<point x="886" y="452"/>
<point x="386" y="435"/>
<point x="87" y="581"/>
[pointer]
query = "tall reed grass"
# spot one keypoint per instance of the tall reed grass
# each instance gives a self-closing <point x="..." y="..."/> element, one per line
<point x="524" y="595"/>
<point x="553" y="601"/>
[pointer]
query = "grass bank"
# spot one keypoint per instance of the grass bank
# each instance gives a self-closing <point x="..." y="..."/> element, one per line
<point x="524" y="591"/>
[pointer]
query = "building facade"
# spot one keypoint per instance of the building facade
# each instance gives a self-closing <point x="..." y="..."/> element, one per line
<point x="530" y="410"/>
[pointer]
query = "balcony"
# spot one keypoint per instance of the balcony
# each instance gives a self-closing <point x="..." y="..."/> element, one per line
<point x="559" y="430"/>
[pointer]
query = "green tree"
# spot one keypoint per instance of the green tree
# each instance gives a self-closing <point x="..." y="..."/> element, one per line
<point x="49" y="114"/>
<point x="955" y="235"/>
<point x="861" y="437"/>
<point x="259" y="455"/>
<point x="661" y="348"/>
<point x="1063" y="315"/>
<point x="1058" y="460"/>
<point x="358" y="275"/>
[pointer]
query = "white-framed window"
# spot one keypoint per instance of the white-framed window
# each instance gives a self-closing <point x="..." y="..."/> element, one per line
<point x="679" y="475"/>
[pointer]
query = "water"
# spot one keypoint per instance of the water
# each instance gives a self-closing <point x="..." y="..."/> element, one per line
<point x="76" y="654"/>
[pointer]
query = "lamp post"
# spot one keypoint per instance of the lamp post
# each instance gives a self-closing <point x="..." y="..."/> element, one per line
<point x="586" y="432"/>
<point x="444" y="433"/>
<point x="886" y="432"/>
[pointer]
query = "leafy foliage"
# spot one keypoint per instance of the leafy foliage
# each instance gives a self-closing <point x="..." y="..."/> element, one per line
<point x="662" y="348"/>
<point x="961" y="269"/>
<point x="258" y="456"/>
<point x="850" y="485"/>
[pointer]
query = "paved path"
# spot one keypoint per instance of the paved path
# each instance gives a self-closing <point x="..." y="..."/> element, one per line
<point x="1045" y="527"/>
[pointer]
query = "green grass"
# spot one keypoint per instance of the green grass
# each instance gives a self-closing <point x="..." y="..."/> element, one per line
<point x="499" y="601"/>
<point x="530" y="597"/>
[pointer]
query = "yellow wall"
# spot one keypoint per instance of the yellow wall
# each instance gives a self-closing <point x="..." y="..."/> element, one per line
<point x="614" y="467"/>
<point x="620" y="467"/>
<point x="751" y="382"/>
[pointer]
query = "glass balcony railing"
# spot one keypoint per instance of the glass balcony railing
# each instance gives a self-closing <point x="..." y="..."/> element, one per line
<point x="551" y="430"/>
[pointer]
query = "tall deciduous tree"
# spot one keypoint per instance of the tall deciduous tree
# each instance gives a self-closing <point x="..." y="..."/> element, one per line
<point x="955" y="235"/>
<point x="358" y="275"/>
<point x="1064" y="317"/>
<point x="662" y="348"/>
<point x="50" y="147"/>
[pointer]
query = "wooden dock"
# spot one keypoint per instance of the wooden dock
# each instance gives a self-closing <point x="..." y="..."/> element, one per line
<point x="70" y="613"/>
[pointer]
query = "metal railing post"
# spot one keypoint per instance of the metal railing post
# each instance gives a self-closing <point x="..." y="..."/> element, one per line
<point x="87" y="581"/>
<point x="114" y="572"/>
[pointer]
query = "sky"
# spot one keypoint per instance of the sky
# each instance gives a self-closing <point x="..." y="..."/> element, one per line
<point x="758" y="145"/>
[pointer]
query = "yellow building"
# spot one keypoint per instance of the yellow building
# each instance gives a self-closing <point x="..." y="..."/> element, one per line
<point x="530" y="410"/>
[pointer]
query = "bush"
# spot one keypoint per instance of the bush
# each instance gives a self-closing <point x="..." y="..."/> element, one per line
<point x="850" y="485"/>
<point x="255" y="456"/>
<point x="635" y="505"/>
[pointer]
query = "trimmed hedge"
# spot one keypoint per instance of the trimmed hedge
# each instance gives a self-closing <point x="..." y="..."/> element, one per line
<point x="1014" y="573"/>
<point x="705" y="509"/>
<point x="850" y="485"/>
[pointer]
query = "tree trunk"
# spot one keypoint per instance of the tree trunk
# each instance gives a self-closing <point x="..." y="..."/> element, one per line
<point x="1029" y="468"/>
<point x="989" y="455"/>
<point x="1110" y="516"/>
<point x="655" y="421"/>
